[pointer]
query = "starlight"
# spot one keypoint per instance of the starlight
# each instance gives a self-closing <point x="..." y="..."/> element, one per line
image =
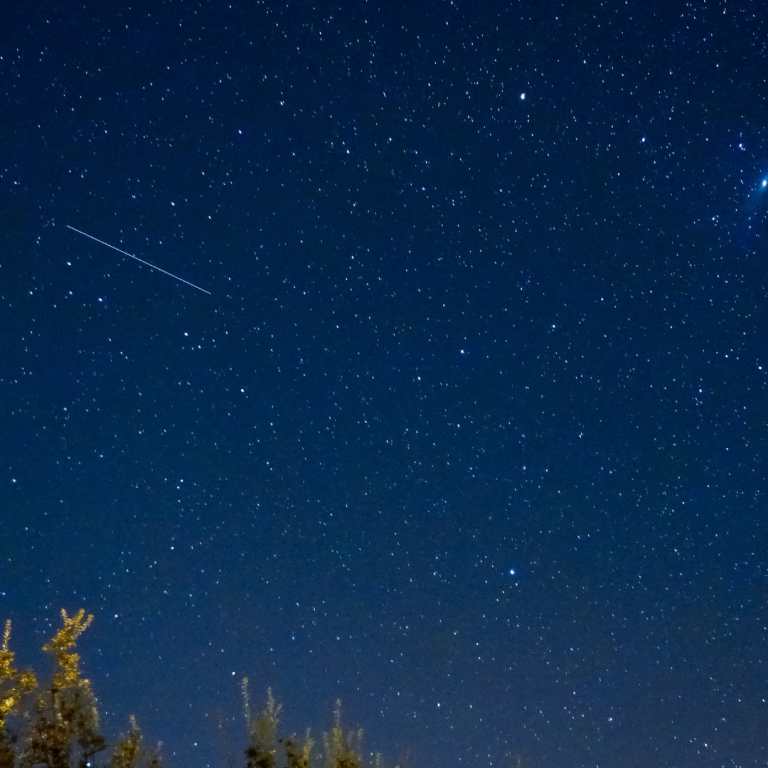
<point x="756" y="194"/>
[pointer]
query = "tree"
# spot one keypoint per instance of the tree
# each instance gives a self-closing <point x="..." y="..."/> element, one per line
<point x="14" y="687"/>
<point x="58" y="726"/>
<point x="342" y="751"/>
<point x="63" y="728"/>
<point x="262" y="732"/>
<point x="130" y="752"/>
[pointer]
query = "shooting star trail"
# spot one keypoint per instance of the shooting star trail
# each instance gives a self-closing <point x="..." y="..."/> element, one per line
<point x="125" y="253"/>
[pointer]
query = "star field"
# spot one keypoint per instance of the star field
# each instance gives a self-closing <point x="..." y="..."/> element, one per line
<point x="470" y="429"/>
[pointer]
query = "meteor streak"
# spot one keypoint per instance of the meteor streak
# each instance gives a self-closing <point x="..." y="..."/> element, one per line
<point x="125" y="253"/>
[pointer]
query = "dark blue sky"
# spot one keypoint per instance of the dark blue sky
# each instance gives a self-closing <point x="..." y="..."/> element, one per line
<point x="487" y="294"/>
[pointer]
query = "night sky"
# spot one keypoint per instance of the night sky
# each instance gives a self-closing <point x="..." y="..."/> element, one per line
<point x="470" y="430"/>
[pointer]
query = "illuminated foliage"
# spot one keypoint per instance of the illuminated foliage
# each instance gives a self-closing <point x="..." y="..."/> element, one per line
<point x="58" y="726"/>
<point x="126" y="753"/>
<point x="130" y="753"/>
<point x="13" y="685"/>
<point x="299" y="755"/>
<point x="62" y="728"/>
<point x="342" y="751"/>
<point x="262" y="732"/>
<point x="66" y="638"/>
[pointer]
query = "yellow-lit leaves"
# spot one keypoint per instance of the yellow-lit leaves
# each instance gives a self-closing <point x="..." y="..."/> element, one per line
<point x="262" y="732"/>
<point x="66" y="637"/>
<point x="13" y="684"/>
<point x="341" y="751"/>
<point x="299" y="754"/>
<point x="126" y="753"/>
